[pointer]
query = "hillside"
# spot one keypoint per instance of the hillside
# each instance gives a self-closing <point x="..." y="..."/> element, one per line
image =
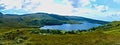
<point x="108" y="34"/>
<point x="32" y="20"/>
<point x="40" y="19"/>
<point x="83" y="19"/>
<point x="103" y="35"/>
<point x="115" y="25"/>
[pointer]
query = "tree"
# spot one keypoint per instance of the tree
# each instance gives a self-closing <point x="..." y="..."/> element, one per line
<point x="63" y="32"/>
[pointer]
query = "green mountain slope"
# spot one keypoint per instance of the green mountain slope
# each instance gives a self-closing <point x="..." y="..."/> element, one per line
<point x="83" y="19"/>
<point x="115" y="25"/>
<point x="40" y="19"/>
<point x="108" y="34"/>
<point x="31" y="20"/>
<point x="103" y="35"/>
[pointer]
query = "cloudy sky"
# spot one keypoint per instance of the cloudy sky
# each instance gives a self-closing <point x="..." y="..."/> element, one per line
<point x="86" y="8"/>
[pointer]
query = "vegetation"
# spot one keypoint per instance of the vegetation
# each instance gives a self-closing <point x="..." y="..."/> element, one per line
<point x="32" y="20"/>
<point x="24" y="30"/>
<point x="82" y="19"/>
<point x="103" y="35"/>
<point x="39" y="19"/>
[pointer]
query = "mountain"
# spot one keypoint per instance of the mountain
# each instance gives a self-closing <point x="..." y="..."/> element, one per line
<point x="40" y="19"/>
<point x="1" y="15"/>
<point x="83" y="19"/>
<point x="108" y="17"/>
<point x="114" y="17"/>
<point x="113" y="26"/>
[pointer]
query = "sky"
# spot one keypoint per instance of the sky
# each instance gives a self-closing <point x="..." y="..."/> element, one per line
<point x="97" y="9"/>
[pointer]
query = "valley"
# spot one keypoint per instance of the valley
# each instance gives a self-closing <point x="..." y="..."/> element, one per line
<point x="25" y="30"/>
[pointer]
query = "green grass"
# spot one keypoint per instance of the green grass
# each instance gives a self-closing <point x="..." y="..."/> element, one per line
<point x="104" y="35"/>
<point x="84" y="38"/>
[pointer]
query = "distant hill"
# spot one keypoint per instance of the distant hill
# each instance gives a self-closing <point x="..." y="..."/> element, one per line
<point x="40" y="19"/>
<point x="113" y="26"/>
<point x="1" y="15"/>
<point x="83" y="19"/>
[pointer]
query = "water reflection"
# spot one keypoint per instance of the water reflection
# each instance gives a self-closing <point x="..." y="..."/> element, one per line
<point x="68" y="27"/>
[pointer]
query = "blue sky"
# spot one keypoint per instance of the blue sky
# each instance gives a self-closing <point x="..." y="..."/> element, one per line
<point x="87" y="8"/>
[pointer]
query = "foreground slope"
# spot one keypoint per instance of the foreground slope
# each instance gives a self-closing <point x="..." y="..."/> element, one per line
<point x="103" y="35"/>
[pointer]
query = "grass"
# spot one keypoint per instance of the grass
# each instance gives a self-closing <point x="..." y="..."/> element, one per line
<point x="103" y="35"/>
<point x="84" y="38"/>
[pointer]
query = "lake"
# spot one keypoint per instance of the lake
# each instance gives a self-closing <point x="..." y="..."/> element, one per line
<point x="68" y="27"/>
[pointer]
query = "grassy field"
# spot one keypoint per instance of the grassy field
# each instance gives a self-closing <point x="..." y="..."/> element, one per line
<point x="23" y="36"/>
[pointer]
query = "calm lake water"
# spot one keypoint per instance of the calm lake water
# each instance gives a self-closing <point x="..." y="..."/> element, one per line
<point x="69" y="27"/>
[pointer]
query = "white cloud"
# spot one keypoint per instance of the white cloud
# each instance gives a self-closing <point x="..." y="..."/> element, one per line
<point x="66" y="8"/>
<point x="84" y="11"/>
<point x="46" y="6"/>
<point x="101" y="8"/>
<point x="93" y="0"/>
<point x="12" y="4"/>
<point x="117" y="1"/>
<point x="84" y="2"/>
<point x="118" y="13"/>
<point x="39" y="6"/>
<point x="50" y="7"/>
<point x="30" y="4"/>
